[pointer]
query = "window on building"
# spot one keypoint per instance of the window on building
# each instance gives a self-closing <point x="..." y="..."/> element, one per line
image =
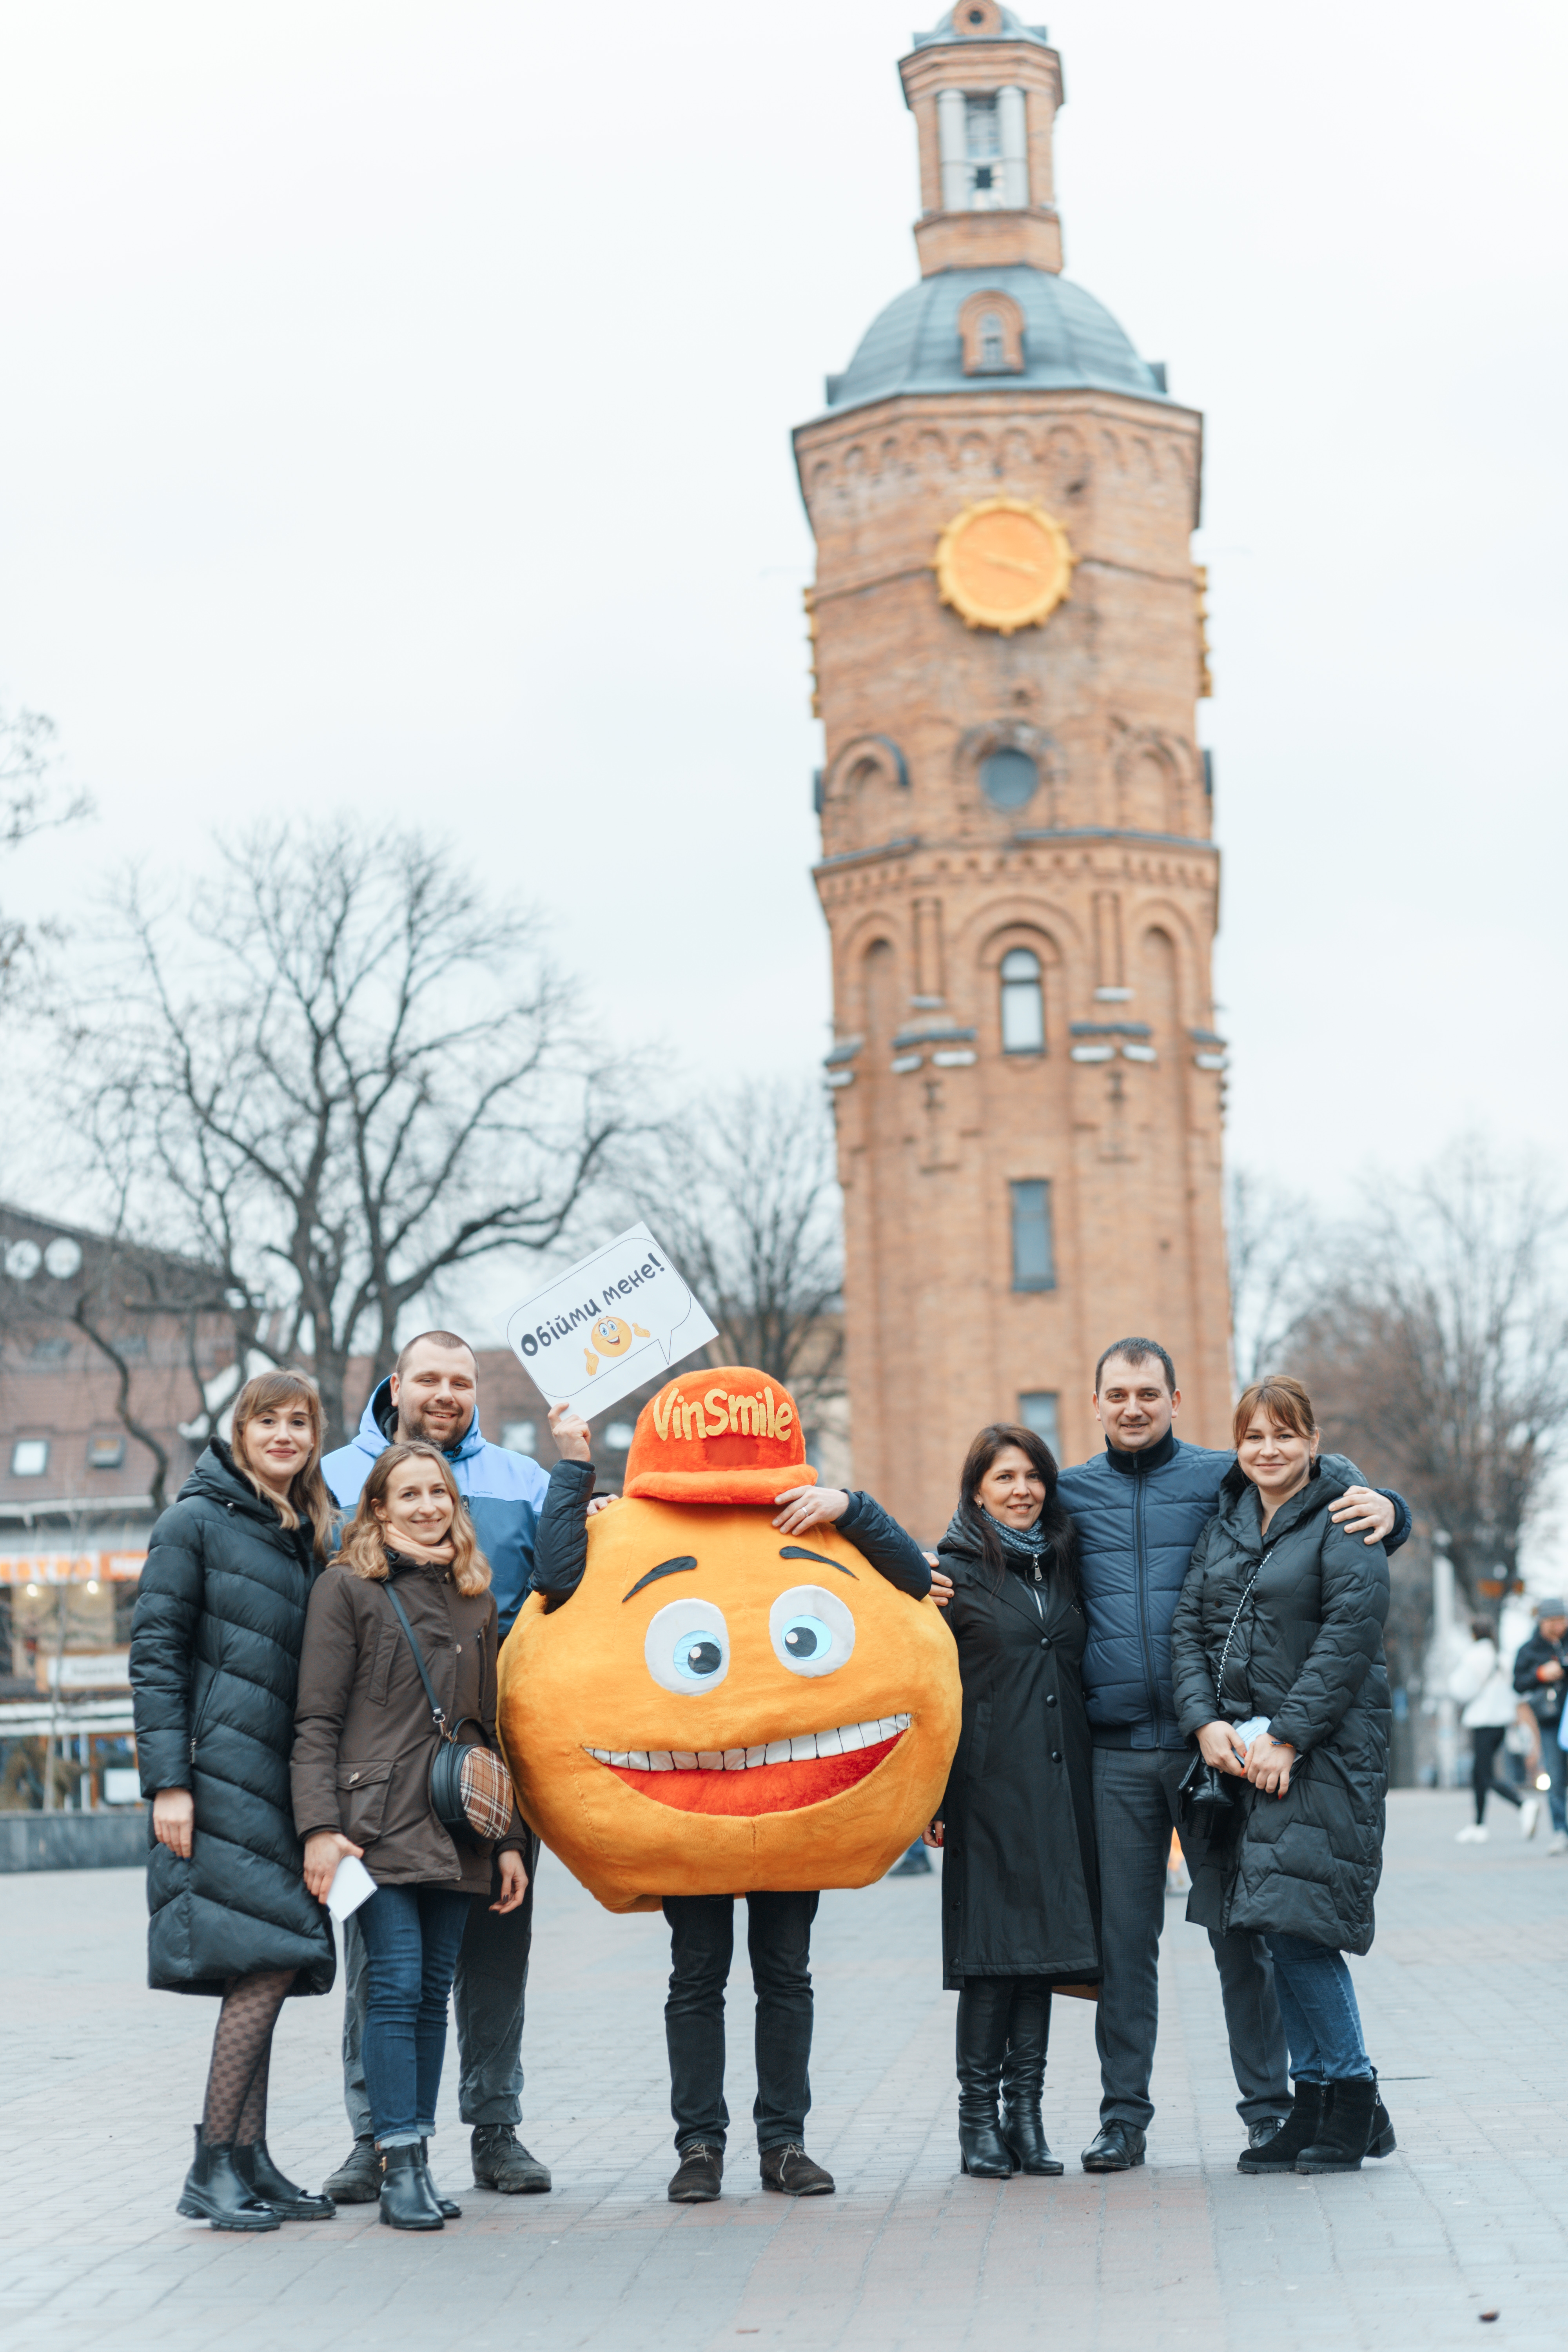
<point x="49" y="1351"/>
<point x="105" y="1453"/>
<point x="520" y="1436"/>
<point x="1037" y="1411"/>
<point x="1034" y="1258"/>
<point x="992" y="340"/>
<point x="1023" y="1003"/>
<point x="1008" y="778"/>
<point x="29" y="1457"/>
<point x="619" y="1436"/>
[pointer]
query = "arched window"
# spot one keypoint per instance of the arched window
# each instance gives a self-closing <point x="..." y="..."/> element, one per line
<point x="992" y="340"/>
<point x="1023" y="1003"/>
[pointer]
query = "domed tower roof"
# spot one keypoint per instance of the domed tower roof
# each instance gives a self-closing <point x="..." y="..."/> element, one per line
<point x="967" y="21"/>
<point x="916" y="343"/>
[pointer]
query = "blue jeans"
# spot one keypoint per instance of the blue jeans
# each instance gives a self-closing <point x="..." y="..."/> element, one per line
<point x="411" y="1939"/>
<point x="1317" y="2001"/>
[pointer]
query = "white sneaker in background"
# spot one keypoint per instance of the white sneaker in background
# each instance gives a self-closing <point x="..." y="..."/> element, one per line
<point x="1529" y="1814"/>
<point x="1474" y="1834"/>
<point x="1557" y="1842"/>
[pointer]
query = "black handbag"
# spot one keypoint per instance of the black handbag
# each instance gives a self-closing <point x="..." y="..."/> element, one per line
<point x="471" y="1788"/>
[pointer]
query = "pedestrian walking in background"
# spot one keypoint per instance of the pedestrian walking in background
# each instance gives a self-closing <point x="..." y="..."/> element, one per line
<point x="432" y="1398"/>
<point x="409" y="1585"/>
<point x="1020" y="1895"/>
<point x="1139" y="1509"/>
<point x="1540" y="1675"/>
<point x="214" y="1656"/>
<point x="1484" y="1688"/>
<point x="1278" y="1673"/>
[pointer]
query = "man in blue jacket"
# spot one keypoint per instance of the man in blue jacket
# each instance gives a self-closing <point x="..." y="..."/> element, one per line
<point x="433" y="1395"/>
<point x="1140" y="1507"/>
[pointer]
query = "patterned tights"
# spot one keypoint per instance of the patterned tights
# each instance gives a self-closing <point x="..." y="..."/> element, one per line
<point x="236" y="2110"/>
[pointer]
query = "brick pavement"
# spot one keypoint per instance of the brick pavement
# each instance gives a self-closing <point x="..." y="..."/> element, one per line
<point x="1462" y="1998"/>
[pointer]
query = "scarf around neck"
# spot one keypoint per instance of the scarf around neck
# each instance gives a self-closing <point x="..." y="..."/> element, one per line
<point x="1024" y="1544"/>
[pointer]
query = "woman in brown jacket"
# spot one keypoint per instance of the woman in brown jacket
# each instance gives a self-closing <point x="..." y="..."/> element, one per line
<point x="363" y="1742"/>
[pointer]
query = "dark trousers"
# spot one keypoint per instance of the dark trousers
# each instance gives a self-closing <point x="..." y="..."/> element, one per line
<point x="489" y="1992"/>
<point x="411" y="1936"/>
<point x="701" y="1946"/>
<point x="1134" y="1813"/>
<point x="1488" y="1739"/>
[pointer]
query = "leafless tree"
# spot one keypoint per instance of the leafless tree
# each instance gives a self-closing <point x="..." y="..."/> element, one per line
<point x="31" y="801"/>
<point x="742" y="1191"/>
<point x="335" y="1074"/>
<point x="1440" y="1352"/>
<point x="1278" y="1261"/>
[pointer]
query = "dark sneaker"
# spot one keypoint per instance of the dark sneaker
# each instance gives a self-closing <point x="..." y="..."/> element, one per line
<point x="357" y="2183"/>
<point x="701" y="2170"/>
<point x="501" y="2161"/>
<point x="1261" y="2134"/>
<point x="790" y="2171"/>
<point x="1117" y="2147"/>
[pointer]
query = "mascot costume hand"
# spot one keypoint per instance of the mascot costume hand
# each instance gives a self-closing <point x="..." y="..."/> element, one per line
<point x="716" y="1709"/>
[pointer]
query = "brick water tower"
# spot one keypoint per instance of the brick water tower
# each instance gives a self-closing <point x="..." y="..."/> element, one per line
<point x="1018" y="869"/>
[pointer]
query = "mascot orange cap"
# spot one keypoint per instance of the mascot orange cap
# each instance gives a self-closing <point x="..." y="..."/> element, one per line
<point x="724" y="1437"/>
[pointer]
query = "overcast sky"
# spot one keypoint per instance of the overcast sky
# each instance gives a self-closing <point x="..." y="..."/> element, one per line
<point x="395" y="414"/>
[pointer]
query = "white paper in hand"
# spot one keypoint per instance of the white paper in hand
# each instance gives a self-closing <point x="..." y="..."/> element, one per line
<point x="619" y="1319"/>
<point x="352" y="1885"/>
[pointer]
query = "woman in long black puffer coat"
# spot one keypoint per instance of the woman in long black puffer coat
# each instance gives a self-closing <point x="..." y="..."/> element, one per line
<point x="1019" y="1886"/>
<point x="1278" y="1673"/>
<point x="215" y="1662"/>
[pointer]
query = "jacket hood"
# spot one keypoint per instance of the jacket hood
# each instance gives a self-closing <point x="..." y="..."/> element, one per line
<point x="1327" y="1481"/>
<point x="219" y="1478"/>
<point x="962" y="1537"/>
<point x="378" y="1427"/>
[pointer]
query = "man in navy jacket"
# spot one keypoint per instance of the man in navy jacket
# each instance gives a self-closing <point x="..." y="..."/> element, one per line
<point x="1140" y="1507"/>
<point x="433" y="1395"/>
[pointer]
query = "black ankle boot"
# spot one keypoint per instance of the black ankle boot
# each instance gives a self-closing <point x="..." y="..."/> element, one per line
<point x="984" y="2004"/>
<point x="407" y="2200"/>
<point x="1022" y="2079"/>
<point x="265" y="2182"/>
<point x="1350" y="2126"/>
<point x="1300" y="2129"/>
<point x="215" y="2192"/>
<point x="449" y="2212"/>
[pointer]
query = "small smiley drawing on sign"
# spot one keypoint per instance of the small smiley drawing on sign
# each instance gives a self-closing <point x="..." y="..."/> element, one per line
<point x="611" y="1337"/>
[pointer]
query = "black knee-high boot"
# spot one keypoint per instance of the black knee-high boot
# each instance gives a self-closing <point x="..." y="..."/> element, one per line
<point x="983" y="2007"/>
<point x="1024" y="2075"/>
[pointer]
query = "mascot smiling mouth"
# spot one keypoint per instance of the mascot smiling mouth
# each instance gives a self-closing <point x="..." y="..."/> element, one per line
<point x="778" y="1778"/>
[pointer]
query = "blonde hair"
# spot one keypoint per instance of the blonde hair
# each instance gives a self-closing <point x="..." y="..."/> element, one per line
<point x="1283" y="1399"/>
<point x="307" y="1497"/>
<point x="363" y="1548"/>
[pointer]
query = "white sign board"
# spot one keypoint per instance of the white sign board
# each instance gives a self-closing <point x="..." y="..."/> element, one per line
<point x="619" y="1319"/>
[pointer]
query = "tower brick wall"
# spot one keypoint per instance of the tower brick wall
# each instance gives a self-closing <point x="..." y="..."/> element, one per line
<point x="1106" y="872"/>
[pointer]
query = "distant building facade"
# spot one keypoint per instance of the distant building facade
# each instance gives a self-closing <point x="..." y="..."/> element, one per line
<point x="1018" y="869"/>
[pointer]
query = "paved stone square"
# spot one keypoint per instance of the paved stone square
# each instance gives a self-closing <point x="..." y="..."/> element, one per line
<point x="1462" y="1997"/>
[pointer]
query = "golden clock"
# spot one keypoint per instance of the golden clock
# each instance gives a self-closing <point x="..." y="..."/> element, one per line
<point x="1003" y="564"/>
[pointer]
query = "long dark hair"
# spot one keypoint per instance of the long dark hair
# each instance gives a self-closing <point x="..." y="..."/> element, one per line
<point x="1059" y="1557"/>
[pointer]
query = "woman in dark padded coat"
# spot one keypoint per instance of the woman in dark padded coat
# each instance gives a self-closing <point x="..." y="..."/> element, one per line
<point x="1020" y="1891"/>
<point x="214" y="1661"/>
<point x="1278" y="1669"/>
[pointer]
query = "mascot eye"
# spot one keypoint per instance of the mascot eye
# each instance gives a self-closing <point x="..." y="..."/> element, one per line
<point x="813" y="1632"/>
<point x="687" y="1645"/>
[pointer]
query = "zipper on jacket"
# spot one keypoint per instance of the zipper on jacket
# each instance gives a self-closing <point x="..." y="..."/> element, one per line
<point x="1141" y="1579"/>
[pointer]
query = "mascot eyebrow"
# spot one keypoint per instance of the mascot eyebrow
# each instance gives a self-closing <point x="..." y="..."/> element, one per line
<point x="665" y="1568"/>
<point x="794" y="1551"/>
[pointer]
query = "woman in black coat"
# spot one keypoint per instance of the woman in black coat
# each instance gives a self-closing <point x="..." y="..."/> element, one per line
<point x="215" y="1660"/>
<point x="1020" y="1893"/>
<point x="1277" y="1662"/>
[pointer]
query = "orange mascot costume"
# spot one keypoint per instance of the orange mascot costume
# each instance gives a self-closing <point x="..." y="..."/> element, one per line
<point x="716" y="1709"/>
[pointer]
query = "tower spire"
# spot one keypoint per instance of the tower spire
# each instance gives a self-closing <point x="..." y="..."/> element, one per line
<point x="983" y="90"/>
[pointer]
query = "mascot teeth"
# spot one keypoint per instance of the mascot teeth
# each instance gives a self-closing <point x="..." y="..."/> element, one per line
<point x="804" y="1748"/>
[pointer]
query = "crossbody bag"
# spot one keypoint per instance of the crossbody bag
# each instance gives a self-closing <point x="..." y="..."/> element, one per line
<point x="471" y="1788"/>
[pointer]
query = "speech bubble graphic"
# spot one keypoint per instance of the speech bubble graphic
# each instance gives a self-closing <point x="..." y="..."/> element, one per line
<point x="609" y="1323"/>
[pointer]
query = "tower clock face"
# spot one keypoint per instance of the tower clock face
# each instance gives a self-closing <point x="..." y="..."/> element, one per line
<point x="1003" y="564"/>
